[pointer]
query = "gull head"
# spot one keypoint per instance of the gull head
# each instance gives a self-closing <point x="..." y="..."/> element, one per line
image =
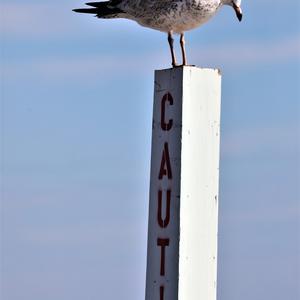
<point x="236" y="5"/>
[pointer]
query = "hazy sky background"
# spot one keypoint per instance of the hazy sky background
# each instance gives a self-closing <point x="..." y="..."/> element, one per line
<point x="76" y="109"/>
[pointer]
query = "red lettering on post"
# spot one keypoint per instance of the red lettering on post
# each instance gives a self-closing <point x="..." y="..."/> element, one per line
<point x="162" y="293"/>
<point x="165" y="165"/>
<point x="164" y="208"/>
<point x="163" y="223"/>
<point x="165" y="126"/>
<point x="162" y="243"/>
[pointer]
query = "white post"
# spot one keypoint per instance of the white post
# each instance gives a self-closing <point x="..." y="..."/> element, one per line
<point x="183" y="206"/>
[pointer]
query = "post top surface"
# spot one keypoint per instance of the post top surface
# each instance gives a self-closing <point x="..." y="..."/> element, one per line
<point x="189" y="68"/>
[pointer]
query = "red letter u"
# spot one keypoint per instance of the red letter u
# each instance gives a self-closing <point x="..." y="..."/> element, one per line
<point x="163" y="223"/>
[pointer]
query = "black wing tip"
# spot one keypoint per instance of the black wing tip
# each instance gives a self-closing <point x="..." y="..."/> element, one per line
<point x="97" y="4"/>
<point x="79" y="10"/>
<point x="86" y="10"/>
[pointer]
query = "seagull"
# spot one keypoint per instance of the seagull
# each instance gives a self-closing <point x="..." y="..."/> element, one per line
<point x="169" y="16"/>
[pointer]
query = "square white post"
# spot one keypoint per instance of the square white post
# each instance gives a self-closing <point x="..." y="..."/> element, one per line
<point x="183" y="206"/>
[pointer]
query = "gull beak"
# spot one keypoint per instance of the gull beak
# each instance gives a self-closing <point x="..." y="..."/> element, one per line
<point x="238" y="11"/>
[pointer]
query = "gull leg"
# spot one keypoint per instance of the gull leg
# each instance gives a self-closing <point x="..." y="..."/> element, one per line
<point x="182" y="45"/>
<point x="171" y="42"/>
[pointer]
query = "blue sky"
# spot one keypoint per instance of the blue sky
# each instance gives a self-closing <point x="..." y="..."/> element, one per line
<point x="76" y="109"/>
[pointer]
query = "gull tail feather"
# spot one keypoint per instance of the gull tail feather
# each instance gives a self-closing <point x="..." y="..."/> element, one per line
<point x="101" y="10"/>
<point x="86" y="10"/>
<point x="98" y="4"/>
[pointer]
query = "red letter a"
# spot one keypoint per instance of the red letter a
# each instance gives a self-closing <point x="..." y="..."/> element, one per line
<point x="165" y="165"/>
